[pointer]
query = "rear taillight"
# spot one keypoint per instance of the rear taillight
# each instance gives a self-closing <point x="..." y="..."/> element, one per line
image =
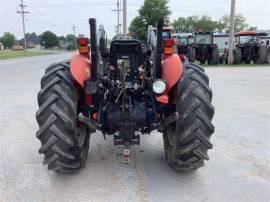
<point x="169" y="46"/>
<point x="169" y="42"/>
<point x="83" y="41"/>
<point x="83" y="45"/>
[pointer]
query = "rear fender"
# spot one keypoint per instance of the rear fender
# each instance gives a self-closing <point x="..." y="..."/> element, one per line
<point x="80" y="69"/>
<point x="172" y="71"/>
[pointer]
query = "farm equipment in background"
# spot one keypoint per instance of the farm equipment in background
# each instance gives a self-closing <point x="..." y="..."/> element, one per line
<point x="184" y="44"/>
<point x="206" y="51"/>
<point x="127" y="95"/>
<point x="152" y="37"/>
<point x="268" y="56"/>
<point x="249" y="49"/>
<point x="223" y="58"/>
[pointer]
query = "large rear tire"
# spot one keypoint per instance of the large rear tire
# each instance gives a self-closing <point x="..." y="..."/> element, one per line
<point x="214" y="57"/>
<point x="202" y="61"/>
<point x="237" y="56"/>
<point x="64" y="141"/>
<point x="187" y="140"/>
<point x="262" y="55"/>
<point x="191" y="54"/>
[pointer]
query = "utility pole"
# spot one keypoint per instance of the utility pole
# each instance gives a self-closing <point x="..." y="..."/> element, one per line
<point x="23" y="12"/>
<point x="74" y="34"/>
<point x="125" y="18"/>
<point x="118" y="10"/>
<point x="231" y="39"/>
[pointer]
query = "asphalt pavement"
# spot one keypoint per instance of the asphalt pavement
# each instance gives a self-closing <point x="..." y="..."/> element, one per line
<point x="238" y="170"/>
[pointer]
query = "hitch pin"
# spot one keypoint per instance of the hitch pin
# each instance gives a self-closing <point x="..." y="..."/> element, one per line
<point x="126" y="154"/>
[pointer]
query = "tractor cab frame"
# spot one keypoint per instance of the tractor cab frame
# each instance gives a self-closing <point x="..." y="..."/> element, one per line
<point x="249" y="49"/>
<point x="206" y="50"/>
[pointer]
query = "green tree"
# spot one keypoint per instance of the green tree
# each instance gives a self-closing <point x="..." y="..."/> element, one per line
<point x="180" y="25"/>
<point x="149" y="13"/>
<point x="195" y="23"/>
<point x="71" y="41"/>
<point x="191" y="23"/>
<point x="220" y="25"/>
<point x="240" y="23"/>
<point x="8" y="40"/>
<point x="62" y="38"/>
<point x="138" y="28"/>
<point x="205" y="24"/>
<point x="49" y="39"/>
<point x="32" y="38"/>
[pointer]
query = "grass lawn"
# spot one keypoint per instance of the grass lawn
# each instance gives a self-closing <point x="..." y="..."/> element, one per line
<point x="18" y="54"/>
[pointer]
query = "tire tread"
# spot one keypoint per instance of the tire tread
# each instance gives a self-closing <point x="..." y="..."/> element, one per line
<point x="186" y="142"/>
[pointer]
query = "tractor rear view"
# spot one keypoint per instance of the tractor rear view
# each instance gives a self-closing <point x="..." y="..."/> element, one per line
<point x="184" y="44"/>
<point x="123" y="93"/>
<point x="206" y="50"/>
<point x="249" y="49"/>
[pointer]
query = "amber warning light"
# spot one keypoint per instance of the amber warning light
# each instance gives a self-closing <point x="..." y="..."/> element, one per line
<point x="169" y="46"/>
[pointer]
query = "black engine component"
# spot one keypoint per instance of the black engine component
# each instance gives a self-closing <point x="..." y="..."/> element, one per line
<point x="136" y="113"/>
<point x="127" y="105"/>
<point x="91" y="87"/>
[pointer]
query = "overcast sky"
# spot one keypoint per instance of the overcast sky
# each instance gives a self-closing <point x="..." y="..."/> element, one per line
<point x="59" y="15"/>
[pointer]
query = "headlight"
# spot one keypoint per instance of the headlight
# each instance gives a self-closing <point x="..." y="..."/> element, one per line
<point x="159" y="86"/>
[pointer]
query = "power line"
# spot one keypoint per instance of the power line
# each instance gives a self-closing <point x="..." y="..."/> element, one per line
<point x="72" y="5"/>
<point x="125" y="18"/>
<point x="73" y="27"/>
<point x="23" y="12"/>
<point x="74" y="34"/>
<point x="118" y="10"/>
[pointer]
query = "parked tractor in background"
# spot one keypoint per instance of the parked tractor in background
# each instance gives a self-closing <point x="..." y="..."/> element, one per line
<point x="166" y="35"/>
<point x="184" y="44"/>
<point x="126" y="95"/>
<point x="268" y="56"/>
<point x="248" y="48"/>
<point x="206" y="50"/>
<point x="152" y="36"/>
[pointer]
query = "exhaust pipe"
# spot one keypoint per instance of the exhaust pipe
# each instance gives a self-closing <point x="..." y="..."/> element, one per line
<point x="92" y="84"/>
<point x="159" y="48"/>
<point x="94" y="51"/>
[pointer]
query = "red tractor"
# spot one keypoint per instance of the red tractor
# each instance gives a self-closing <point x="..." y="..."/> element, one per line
<point x="128" y="96"/>
<point x="249" y="49"/>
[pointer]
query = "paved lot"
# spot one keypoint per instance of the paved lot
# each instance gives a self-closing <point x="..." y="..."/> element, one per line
<point x="238" y="170"/>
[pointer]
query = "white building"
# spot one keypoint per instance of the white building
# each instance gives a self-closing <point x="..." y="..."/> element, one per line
<point x="222" y="40"/>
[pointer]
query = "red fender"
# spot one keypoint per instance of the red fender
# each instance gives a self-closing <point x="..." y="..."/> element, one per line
<point x="172" y="70"/>
<point x="80" y="68"/>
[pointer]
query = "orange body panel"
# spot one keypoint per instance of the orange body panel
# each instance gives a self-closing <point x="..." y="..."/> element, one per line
<point x="247" y="33"/>
<point x="172" y="71"/>
<point x="164" y="99"/>
<point x="80" y="68"/>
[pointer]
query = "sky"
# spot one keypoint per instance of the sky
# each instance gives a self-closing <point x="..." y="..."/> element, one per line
<point x="59" y="15"/>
